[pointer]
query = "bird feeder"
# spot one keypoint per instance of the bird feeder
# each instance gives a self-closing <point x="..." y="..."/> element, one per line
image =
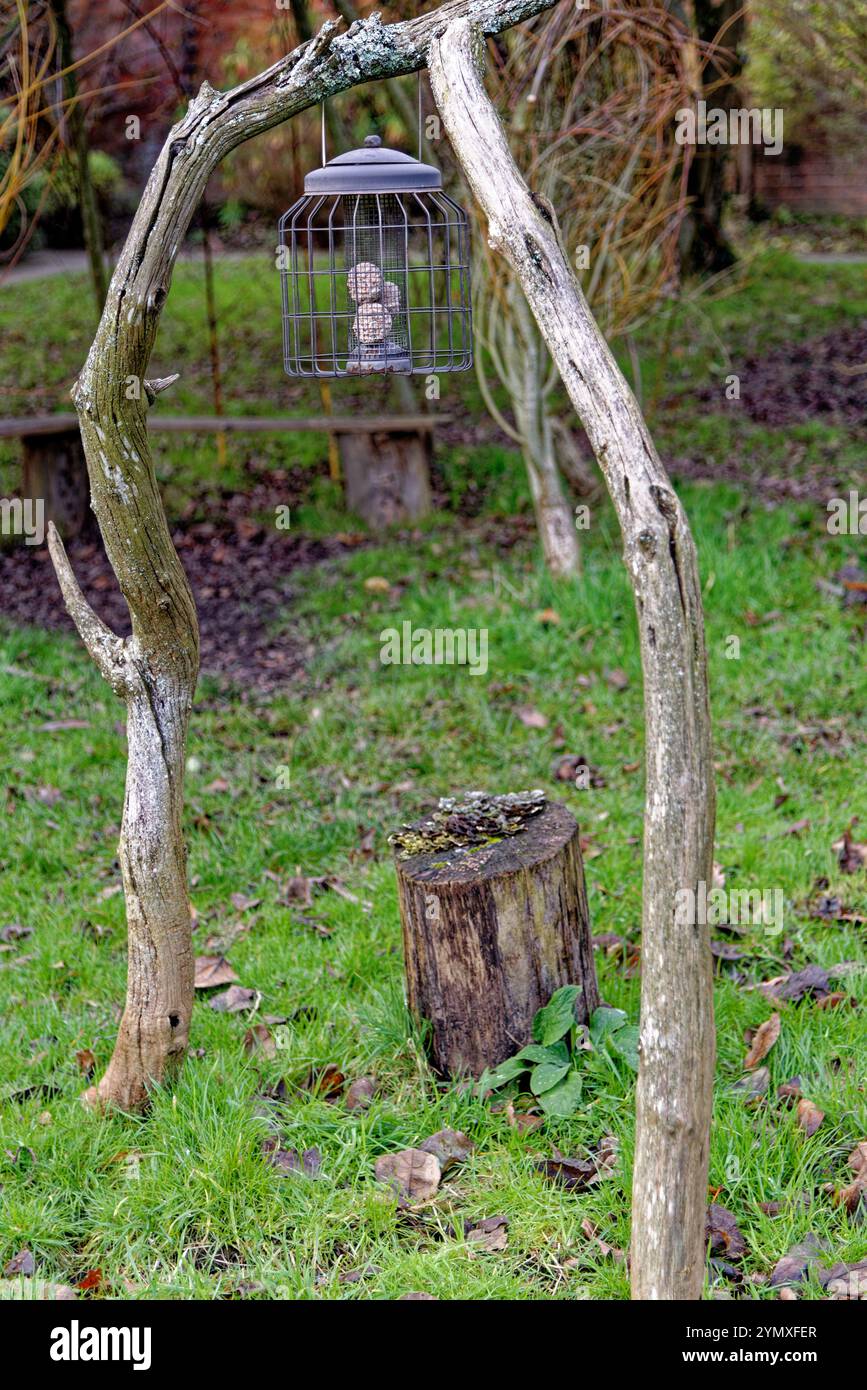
<point x="374" y="262"/>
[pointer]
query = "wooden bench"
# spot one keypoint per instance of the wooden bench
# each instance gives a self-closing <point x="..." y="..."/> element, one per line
<point x="385" y="458"/>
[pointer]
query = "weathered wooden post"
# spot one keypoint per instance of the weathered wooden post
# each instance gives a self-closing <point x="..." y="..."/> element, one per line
<point x="495" y="919"/>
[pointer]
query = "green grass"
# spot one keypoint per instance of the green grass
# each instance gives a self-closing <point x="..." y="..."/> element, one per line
<point x="182" y="1203"/>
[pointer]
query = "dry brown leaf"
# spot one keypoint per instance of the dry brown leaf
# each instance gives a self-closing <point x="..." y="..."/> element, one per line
<point x="86" y="1062"/>
<point x="765" y="1037"/>
<point x="411" y="1173"/>
<point x="212" y="971"/>
<point x="448" y="1146"/>
<point x="234" y="1000"/>
<point x="810" y="1117"/>
<point x="722" y="1234"/>
<point x="532" y="718"/>
<point x="376" y="584"/>
<point x="259" y="1039"/>
<point x="489" y="1235"/>
<point x="360" y="1093"/>
<point x="851" y="857"/>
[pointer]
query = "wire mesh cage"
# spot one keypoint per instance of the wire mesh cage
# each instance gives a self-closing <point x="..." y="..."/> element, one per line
<point x="374" y="260"/>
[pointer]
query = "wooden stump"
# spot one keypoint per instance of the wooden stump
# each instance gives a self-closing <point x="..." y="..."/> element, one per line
<point x="491" y="931"/>
<point x="387" y="474"/>
<point x="55" y="471"/>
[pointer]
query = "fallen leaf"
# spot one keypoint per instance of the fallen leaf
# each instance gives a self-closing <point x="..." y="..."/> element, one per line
<point x="411" y="1173"/>
<point x="617" y="679"/>
<point x="377" y="585"/>
<point x="855" y="1194"/>
<point x="851" y="1285"/>
<point x="576" y="1174"/>
<point x="790" y="1090"/>
<point x="795" y="1266"/>
<point x="532" y="718"/>
<point x="299" y="889"/>
<point x="17" y="1289"/>
<point x="417" y="1297"/>
<point x="259" y="1038"/>
<point x="574" y="767"/>
<point x="812" y="980"/>
<point x="797" y="827"/>
<point x="327" y="1082"/>
<point x="55" y="726"/>
<point x="753" y="1086"/>
<point x="212" y="971"/>
<point x="13" y="931"/>
<point x="22" y="1263"/>
<point x="86" y="1062"/>
<point x="766" y="1036"/>
<point x="360" y="1093"/>
<point x="489" y="1235"/>
<point x="548" y="616"/>
<point x="234" y="1000"/>
<point x="241" y="903"/>
<point x="92" y="1280"/>
<point x="722" y="1234"/>
<point x="448" y="1146"/>
<point x="851" y="857"/>
<point x="290" y="1161"/>
<point x="810" y="1117"/>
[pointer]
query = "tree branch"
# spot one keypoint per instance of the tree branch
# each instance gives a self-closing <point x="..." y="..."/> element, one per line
<point x="104" y="646"/>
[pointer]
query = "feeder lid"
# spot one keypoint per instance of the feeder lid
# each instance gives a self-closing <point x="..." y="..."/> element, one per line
<point x="373" y="169"/>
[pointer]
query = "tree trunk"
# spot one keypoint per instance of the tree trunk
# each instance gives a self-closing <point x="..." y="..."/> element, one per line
<point x="490" y="935"/>
<point x="705" y="249"/>
<point x="553" y="515"/>
<point x="677" y="1042"/>
<point x="155" y="669"/>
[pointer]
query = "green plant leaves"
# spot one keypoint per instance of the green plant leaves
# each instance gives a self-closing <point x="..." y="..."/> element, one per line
<point x="564" y="1098"/>
<point x="625" y="1042"/>
<point x="556" y="1019"/>
<point x="558" y="1052"/>
<point x="491" y="1080"/>
<point x="609" y="1028"/>
<point x="603" y="1022"/>
<point x="554" y="1076"/>
<point x="546" y="1076"/>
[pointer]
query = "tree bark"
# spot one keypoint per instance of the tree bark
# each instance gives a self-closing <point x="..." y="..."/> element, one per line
<point x="490" y="935"/>
<point x="155" y="670"/>
<point x="677" y="1041"/>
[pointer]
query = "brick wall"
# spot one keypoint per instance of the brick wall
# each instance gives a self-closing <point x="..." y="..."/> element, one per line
<point x="813" y="180"/>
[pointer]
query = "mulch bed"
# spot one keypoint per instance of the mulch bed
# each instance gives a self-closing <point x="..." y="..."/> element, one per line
<point x="240" y="572"/>
<point x="824" y="378"/>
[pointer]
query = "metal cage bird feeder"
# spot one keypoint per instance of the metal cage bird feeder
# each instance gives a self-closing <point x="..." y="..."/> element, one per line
<point x="374" y="261"/>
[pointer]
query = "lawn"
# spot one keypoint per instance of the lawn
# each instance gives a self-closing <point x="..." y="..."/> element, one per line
<point x="185" y="1202"/>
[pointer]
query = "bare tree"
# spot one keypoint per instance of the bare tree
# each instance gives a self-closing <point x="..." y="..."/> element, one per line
<point x="677" y="1041"/>
<point x="155" y="669"/>
<point x="591" y="97"/>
